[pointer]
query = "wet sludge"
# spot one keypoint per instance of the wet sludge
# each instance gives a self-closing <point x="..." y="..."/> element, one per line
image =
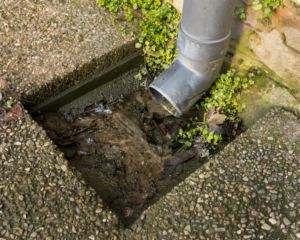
<point x="121" y="149"/>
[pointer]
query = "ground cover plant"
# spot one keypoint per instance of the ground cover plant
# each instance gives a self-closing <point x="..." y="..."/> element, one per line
<point x="217" y="111"/>
<point x="158" y="23"/>
<point x="266" y="5"/>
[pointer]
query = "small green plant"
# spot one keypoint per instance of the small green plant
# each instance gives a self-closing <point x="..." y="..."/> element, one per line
<point x="123" y="29"/>
<point x="129" y="16"/>
<point x="226" y="93"/>
<point x="186" y="137"/>
<point x="267" y="6"/>
<point x="158" y="23"/>
<point x="240" y="12"/>
<point x="224" y="99"/>
<point x="113" y="19"/>
<point x="9" y="103"/>
<point x="142" y="160"/>
<point x="214" y="137"/>
<point x="197" y="130"/>
<point x="140" y="75"/>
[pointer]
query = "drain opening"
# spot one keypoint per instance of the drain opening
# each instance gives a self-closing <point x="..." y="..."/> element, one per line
<point x="119" y="138"/>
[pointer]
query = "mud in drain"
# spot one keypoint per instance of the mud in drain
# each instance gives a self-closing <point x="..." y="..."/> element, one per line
<point x="121" y="148"/>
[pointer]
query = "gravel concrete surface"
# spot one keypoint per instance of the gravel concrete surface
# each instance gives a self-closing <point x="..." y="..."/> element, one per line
<point x="48" y="46"/>
<point x="250" y="190"/>
<point x="247" y="191"/>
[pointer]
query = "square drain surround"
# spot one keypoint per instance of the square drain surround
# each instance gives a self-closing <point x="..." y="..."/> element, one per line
<point x="118" y="137"/>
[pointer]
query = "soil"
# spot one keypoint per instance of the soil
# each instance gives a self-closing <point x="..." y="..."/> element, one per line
<point x="122" y="149"/>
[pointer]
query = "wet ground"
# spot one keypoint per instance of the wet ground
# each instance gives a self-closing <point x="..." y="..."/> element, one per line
<point x="121" y="149"/>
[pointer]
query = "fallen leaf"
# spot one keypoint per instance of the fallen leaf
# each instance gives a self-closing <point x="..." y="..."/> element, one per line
<point x="182" y="157"/>
<point x="83" y="122"/>
<point x="55" y="121"/>
<point x="168" y="43"/>
<point x="114" y="183"/>
<point x="163" y="128"/>
<point x="16" y="111"/>
<point x="163" y="183"/>
<point x="213" y="120"/>
<point x="99" y="123"/>
<point x="137" y="14"/>
<point x="216" y="119"/>
<point x="157" y="170"/>
<point x="210" y="113"/>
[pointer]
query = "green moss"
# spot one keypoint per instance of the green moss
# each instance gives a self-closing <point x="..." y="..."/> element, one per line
<point x="264" y="95"/>
<point x="239" y="50"/>
<point x="269" y="90"/>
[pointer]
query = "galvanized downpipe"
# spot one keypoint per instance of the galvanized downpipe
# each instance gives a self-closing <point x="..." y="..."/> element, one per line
<point x="203" y="38"/>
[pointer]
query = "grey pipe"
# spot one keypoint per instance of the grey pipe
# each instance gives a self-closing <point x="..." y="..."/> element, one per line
<point x="203" y="38"/>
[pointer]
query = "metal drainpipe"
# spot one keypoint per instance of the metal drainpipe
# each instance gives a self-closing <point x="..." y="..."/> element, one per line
<point x="203" y="38"/>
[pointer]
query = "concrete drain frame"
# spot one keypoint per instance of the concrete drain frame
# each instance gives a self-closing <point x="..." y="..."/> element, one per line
<point x="83" y="95"/>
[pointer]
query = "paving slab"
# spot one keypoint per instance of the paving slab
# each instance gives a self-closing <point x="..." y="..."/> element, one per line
<point x="250" y="190"/>
<point x="48" y="46"/>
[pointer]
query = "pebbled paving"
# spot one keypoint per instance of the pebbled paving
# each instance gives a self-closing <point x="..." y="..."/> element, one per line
<point x="250" y="190"/>
<point x="47" y="46"/>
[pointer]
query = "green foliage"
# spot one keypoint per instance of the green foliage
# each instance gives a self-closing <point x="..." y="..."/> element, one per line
<point x="186" y="137"/>
<point x="113" y="19"/>
<point x="197" y="130"/>
<point x="9" y="103"/>
<point x="140" y="75"/>
<point x="240" y="12"/>
<point x="158" y="26"/>
<point x="267" y="6"/>
<point x="225" y="94"/>
<point x="123" y="29"/>
<point x="214" y="137"/>
<point x="295" y="4"/>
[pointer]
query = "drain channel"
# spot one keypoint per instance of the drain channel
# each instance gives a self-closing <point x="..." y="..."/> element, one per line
<point x="119" y="138"/>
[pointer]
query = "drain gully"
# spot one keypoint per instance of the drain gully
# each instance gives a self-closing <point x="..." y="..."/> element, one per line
<point x="118" y="137"/>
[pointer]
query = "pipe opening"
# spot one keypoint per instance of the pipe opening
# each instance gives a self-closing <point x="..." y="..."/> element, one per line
<point x="164" y="102"/>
